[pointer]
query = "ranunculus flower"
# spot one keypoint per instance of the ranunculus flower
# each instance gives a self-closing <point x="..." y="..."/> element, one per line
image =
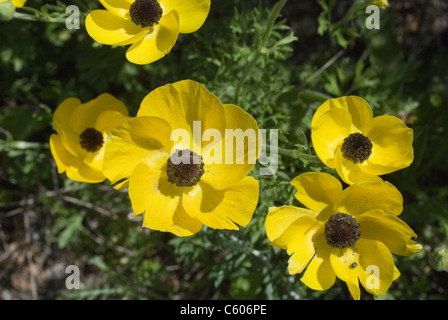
<point x="348" y="138"/>
<point x="82" y="130"/>
<point x="349" y="234"/>
<point x="150" y="26"/>
<point x="181" y="162"/>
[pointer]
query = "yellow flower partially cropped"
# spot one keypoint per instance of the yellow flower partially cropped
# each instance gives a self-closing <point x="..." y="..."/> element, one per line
<point x="16" y="3"/>
<point x="349" y="234"/>
<point x="82" y="130"/>
<point x="380" y="3"/>
<point x="347" y="137"/>
<point x="186" y="159"/>
<point x="150" y="26"/>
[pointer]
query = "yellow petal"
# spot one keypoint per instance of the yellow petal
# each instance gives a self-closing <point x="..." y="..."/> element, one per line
<point x="189" y="108"/>
<point x="71" y="165"/>
<point x="342" y="261"/>
<point x="376" y="266"/>
<point x="279" y="219"/>
<point x="118" y="7"/>
<point x="62" y="157"/>
<point x="353" y="287"/>
<point x="61" y="121"/>
<point x="85" y="115"/>
<point x="108" y="28"/>
<point x="396" y="274"/>
<point x="365" y="196"/>
<point x="292" y="229"/>
<point x="390" y="230"/>
<point x="157" y="43"/>
<point x="319" y="274"/>
<point x="238" y="151"/>
<point x="328" y="133"/>
<point x="392" y="145"/>
<point x="352" y="173"/>
<point x="223" y="209"/>
<point x="153" y="195"/>
<point x="192" y="13"/>
<point x="369" y="261"/>
<point x="358" y="108"/>
<point x="141" y="139"/>
<point x="61" y="116"/>
<point x="317" y="190"/>
<point x="18" y="3"/>
<point x="108" y="120"/>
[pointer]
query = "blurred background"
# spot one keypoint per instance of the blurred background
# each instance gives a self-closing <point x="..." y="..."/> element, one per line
<point x="315" y="51"/>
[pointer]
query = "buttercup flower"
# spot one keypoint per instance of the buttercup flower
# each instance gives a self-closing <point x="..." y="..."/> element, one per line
<point x="151" y="26"/>
<point x="82" y="130"/>
<point x="349" y="234"/>
<point x="347" y="137"/>
<point x="181" y="162"/>
<point x="16" y="3"/>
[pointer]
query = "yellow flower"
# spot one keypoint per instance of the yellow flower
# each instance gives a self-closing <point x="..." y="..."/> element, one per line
<point x="173" y="158"/>
<point x="346" y="137"/>
<point x="349" y="234"/>
<point x="16" y="3"/>
<point x="151" y="26"/>
<point x="82" y="129"/>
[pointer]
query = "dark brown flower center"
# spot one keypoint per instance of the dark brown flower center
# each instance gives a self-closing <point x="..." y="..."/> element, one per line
<point x="342" y="231"/>
<point x="356" y="147"/>
<point x="185" y="168"/>
<point x="145" y="13"/>
<point x="91" y="140"/>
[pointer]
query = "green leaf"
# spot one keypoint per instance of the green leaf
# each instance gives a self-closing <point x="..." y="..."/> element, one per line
<point x="73" y="226"/>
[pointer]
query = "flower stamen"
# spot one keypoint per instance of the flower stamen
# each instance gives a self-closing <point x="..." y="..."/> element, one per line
<point x="145" y="13"/>
<point x="342" y="231"/>
<point x="185" y="168"/>
<point x="356" y="147"/>
<point x="91" y="140"/>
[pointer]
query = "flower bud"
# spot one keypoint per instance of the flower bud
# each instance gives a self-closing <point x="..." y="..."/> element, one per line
<point x="439" y="259"/>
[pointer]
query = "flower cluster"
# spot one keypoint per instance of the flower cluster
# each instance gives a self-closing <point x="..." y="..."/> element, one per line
<point x="184" y="166"/>
<point x="348" y="233"/>
<point x="179" y="184"/>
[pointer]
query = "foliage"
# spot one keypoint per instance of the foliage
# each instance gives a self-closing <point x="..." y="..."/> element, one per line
<point x="47" y="220"/>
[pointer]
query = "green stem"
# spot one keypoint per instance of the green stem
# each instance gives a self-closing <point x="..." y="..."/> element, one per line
<point x="311" y="96"/>
<point x="296" y="154"/>
<point x="30" y="17"/>
<point x="357" y="6"/>
<point x="257" y="56"/>
<point x="22" y="145"/>
<point x="52" y="14"/>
